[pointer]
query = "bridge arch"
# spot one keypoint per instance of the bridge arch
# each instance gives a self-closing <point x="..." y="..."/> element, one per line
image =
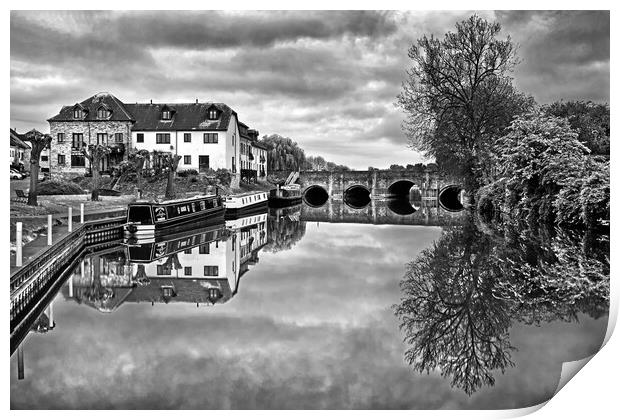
<point x="315" y="196"/>
<point x="449" y="198"/>
<point x="400" y="187"/>
<point x="357" y="196"/>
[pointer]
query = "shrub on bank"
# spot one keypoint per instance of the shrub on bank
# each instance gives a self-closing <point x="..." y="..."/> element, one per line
<point x="547" y="176"/>
<point x="223" y="177"/>
<point x="59" y="188"/>
<point x="187" y="172"/>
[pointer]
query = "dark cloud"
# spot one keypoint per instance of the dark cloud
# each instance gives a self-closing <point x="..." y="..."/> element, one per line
<point x="328" y="80"/>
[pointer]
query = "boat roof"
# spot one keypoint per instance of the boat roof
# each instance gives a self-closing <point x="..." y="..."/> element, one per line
<point x="176" y="200"/>
<point x="245" y="194"/>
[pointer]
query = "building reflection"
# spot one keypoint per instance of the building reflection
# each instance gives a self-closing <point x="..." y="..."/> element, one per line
<point x="202" y="267"/>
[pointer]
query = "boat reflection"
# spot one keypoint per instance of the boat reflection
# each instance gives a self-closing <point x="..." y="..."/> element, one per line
<point x="201" y="267"/>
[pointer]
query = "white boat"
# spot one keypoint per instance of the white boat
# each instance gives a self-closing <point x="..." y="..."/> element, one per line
<point x="245" y="221"/>
<point x="243" y="203"/>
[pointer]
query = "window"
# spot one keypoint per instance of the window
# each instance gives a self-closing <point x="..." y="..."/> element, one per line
<point x="162" y="138"/>
<point x="78" y="141"/>
<point x="187" y="137"/>
<point x="234" y="168"/>
<point x="213" y="114"/>
<point x="118" y="137"/>
<point x="78" y="114"/>
<point x="60" y="137"/>
<point x="210" y="137"/>
<point x="187" y="251"/>
<point x="187" y="159"/>
<point x="102" y="138"/>
<point x="44" y="158"/>
<point x="233" y="140"/>
<point x="163" y="270"/>
<point x="212" y="270"/>
<point x="102" y="113"/>
<point x="61" y="159"/>
<point x="78" y="161"/>
<point x="140" y="138"/>
<point x="188" y="271"/>
<point x="165" y="115"/>
<point x="203" y="249"/>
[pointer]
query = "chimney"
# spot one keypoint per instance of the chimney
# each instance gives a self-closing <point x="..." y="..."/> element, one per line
<point x="196" y="100"/>
<point x="151" y="102"/>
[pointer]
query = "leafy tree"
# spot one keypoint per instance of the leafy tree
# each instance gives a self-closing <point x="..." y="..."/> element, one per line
<point x="458" y="96"/>
<point x="38" y="142"/>
<point x="544" y="167"/>
<point x="137" y="159"/>
<point x="589" y="120"/>
<point x="95" y="153"/>
<point x="283" y="154"/>
<point x="396" y="167"/>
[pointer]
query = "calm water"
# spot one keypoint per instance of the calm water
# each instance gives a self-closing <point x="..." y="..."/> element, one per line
<point x="276" y="311"/>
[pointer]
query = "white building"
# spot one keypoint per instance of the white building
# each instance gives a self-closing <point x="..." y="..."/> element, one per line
<point x="205" y="135"/>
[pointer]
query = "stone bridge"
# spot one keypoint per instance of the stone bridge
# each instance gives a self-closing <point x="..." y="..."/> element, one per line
<point x="357" y="188"/>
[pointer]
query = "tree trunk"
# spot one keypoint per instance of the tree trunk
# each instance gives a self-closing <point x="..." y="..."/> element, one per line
<point x="34" y="179"/>
<point x="170" y="193"/>
<point x="95" y="169"/>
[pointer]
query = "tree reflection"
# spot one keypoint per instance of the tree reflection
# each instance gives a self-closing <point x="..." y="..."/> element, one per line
<point x="284" y="229"/>
<point x="461" y="296"/>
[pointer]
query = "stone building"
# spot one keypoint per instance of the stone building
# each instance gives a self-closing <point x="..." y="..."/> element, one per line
<point x="100" y="119"/>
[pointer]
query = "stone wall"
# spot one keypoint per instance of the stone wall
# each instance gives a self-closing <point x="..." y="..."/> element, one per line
<point x="89" y="129"/>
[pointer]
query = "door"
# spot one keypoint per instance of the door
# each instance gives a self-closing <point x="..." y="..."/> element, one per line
<point x="203" y="163"/>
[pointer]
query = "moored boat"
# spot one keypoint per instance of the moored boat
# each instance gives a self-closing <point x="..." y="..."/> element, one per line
<point x="146" y="218"/>
<point x="286" y="195"/>
<point x="244" y="203"/>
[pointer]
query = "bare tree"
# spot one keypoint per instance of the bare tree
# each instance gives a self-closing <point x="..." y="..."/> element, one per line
<point x="171" y="163"/>
<point x="38" y="142"/>
<point x="458" y="95"/>
<point x="137" y="159"/>
<point x="95" y="153"/>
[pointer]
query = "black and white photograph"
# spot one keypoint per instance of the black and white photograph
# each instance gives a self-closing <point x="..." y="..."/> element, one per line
<point x="307" y="209"/>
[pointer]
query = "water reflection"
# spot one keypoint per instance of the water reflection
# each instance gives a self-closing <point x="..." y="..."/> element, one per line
<point x="311" y="324"/>
<point x="202" y="267"/>
<point x="462" y="295"/>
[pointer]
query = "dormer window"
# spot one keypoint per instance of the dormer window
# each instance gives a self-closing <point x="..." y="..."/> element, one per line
<point x="166" y="114"/>
<point x="78" y="114"/>
<point x="102" y="113"/>
<point x="213" y="114"/>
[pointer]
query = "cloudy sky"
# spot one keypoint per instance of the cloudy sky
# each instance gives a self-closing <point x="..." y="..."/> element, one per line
<point x="328" y="80"/>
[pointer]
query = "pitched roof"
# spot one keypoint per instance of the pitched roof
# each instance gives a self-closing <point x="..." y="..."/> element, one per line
<point x="188" y="116"/>
<point x="90" y="105"/>
<point x="16" y="140"/>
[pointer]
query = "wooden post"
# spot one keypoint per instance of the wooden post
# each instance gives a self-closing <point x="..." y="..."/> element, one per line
<point x="70" y="219"/>
<point x="81" y="212"/>
<point x="18" y="243"/>
<point x="49" y="230"/>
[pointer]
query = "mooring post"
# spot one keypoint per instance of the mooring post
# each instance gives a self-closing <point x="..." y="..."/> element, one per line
<point x="20" y="362"/>
<point x="70" y="219"/>
<point x="81" y="212"/>
<point x="49" y="230"/>
<point x="18" y="243"/>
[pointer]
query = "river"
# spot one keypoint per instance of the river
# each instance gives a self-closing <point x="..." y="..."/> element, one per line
<point x="279" y="312"/>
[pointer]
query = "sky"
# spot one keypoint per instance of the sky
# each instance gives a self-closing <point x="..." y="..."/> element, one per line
<point x="327" y="80"/>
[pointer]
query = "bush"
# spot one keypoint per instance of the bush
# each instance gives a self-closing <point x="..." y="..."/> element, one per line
<point x="223" y="176"/>
<point x="59" y="188"/>
<point x="187" y="172"/>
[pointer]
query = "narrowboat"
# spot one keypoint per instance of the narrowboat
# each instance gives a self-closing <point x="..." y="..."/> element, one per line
<point x="286" y="195"/>
<point x="239" y="204"/>
<point x="146" y="218"/>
